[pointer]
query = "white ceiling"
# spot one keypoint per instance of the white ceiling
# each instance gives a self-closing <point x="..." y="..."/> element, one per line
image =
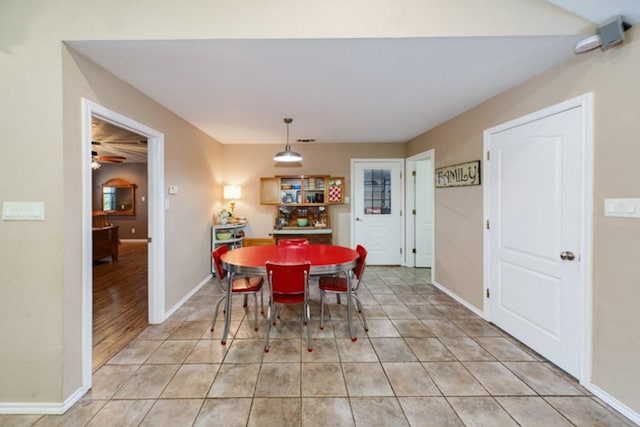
<point x="336" y="90"/>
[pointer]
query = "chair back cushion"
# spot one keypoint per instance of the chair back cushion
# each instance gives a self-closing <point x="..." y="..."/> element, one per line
<point x="217" y="262"/>
<point x="293" y="242"/>
<point x="288" y="280"/>
<point x="361" y="261"/>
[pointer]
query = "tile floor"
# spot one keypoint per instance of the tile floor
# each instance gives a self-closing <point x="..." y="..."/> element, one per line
<point x="426" y="361"/>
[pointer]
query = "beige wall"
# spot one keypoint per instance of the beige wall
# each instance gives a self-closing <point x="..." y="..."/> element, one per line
<point x="613" y="78"/>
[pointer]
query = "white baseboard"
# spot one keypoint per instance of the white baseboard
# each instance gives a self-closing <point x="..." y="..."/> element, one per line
<point x="186" y="297"/>
<point x="17" y="408"/>
<point x="614" y="403"/>
<point x="458" y="299"/>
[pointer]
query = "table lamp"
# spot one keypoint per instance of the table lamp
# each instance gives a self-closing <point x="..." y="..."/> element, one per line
<point x="232" y="192"/>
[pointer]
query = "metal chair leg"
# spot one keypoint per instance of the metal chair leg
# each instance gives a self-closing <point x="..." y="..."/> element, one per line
<point x="361" y="311"/>
<point x="215" y="312"/>
<point x="266" y="342"/>
<point x="321" y="310"/>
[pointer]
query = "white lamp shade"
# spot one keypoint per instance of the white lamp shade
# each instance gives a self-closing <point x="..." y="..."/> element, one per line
<point x="232" y="192"/>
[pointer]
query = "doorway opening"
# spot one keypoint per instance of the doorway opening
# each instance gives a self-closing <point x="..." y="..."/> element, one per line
<point x="420" y="218"/>
<point x="155" y="209"/>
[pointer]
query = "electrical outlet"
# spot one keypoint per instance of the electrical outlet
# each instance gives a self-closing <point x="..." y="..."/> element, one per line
<point x="133" y="231"/>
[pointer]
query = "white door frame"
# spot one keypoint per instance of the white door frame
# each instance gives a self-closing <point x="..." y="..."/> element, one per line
<point x="409" y="259"/>
<point x="156" y="252"/>
<point x="585" y="104"/>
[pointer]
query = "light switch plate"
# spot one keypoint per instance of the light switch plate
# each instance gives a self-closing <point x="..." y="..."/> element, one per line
<point x="623" y="208"/>
<point x="173" y="189"/>
<point x="23" y="211"/>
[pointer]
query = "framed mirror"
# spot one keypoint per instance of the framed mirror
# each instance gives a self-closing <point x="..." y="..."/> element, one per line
<point x="119" y="197"/>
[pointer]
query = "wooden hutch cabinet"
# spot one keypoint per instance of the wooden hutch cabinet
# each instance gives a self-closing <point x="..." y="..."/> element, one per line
<point x="303" y="205"/>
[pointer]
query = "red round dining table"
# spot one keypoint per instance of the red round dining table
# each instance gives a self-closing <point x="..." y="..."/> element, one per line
<point x="325" y="259"/>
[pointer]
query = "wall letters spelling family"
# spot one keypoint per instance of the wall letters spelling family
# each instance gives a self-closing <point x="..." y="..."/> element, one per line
<point x="458" y="175"/>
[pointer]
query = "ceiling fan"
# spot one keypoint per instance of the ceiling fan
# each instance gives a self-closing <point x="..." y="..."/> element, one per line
<point x="96" y="158"/>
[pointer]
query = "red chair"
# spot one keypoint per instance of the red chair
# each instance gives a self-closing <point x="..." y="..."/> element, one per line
<point x="338" y="285"/>
<point x="288" y="284"/>
<point x="293" y="242"/>
<point x="241" y="285"/>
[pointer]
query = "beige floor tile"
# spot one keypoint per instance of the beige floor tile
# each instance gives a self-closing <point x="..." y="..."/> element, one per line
<point x="159" y="332"/>
<point x="412" y="328"/>
<point x="279" y="380"/>
<point x="172" y="351"/>
<point x="584" y="411"/>
<point x="191" y="381"/>
<point x="281" y="412"/>
<point x="477" y="327"/>
<point x="359" y="351"/>
<point x="410" y="379"/>
<point x="108" y="379"/>
<point x="235" y="380"/>
<point x="387" y="299"/>
<point x="324" y="350"/>
<point x="453" y="379"/>
<point x="443" y="328"/>
<point x="532" y="411"/>
<point x="324" y="411"/>
<point x="366" y="379"/>
<point x="147" y="382"/>
<point x="430" y="350"/>
<point x="193" y="330"/>
<point x="382" y="328"/>
<point x="465" y="348"/>
<point x="122" y="413"/>
<point x="497" y="379"/>
<point x="224" y="412"/>
<point x="284" y="350"/>
<point x="322" y="380"/>
<point x="378" y="411"/>
<point x="426" y="312"/>
<point x="429" y="412"/>
<point x="208" y="351"/>
<point x="135" y="353"/>
<point x="504" y="350"/>
<point x="8" y="420"/>
<point x="172" y="412"/>
<point x="393" y="350"/>
<point x="397" y="312"/>
<point x="481" y="411"/>
<point x="245" y="351"/>
<point x="542" y="379"/>
<point x="79" y="415"/>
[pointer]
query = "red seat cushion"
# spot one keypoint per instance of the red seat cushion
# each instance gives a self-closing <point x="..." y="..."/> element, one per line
<point x="333" y="284"/>
<point x="247" y="284"/>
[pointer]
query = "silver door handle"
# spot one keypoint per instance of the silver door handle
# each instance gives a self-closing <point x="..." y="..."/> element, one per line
<point x="567" y="256"/>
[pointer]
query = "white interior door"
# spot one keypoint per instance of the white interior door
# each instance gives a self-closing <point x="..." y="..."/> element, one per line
<point x="424" y="213"/>
<point x="535" y="209"/>
<point x="377" y="209"/>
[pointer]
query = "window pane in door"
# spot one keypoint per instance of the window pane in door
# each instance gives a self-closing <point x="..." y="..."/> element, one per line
<point x="377" y="191"/>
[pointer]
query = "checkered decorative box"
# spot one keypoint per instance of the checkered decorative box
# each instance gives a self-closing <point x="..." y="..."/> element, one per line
<point x="335" y="193"/>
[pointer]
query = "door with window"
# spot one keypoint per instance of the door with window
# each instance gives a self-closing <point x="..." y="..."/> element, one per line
<point x="377" y="209"/>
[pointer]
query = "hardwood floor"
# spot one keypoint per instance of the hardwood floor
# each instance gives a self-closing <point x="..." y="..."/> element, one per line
<point x="120" y="301"/>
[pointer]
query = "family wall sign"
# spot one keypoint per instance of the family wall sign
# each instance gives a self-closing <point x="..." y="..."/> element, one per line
<point x="458" y="175"/>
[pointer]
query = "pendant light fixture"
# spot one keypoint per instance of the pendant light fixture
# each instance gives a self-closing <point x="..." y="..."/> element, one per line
<point x="287" y="155"/>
